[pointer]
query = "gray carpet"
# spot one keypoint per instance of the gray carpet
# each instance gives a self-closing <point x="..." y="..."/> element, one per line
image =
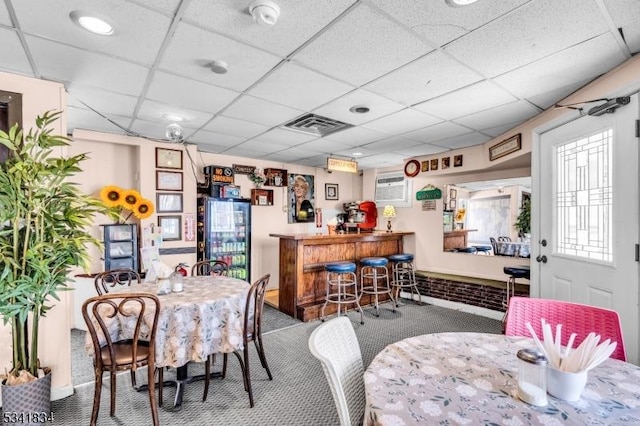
<point x="299" y="393"/>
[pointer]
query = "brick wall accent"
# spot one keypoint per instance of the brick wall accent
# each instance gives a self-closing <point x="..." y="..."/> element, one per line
<point x="457" y="289"/>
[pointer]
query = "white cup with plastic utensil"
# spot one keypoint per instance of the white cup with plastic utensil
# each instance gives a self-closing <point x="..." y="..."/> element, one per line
<point x="565" y="385"/>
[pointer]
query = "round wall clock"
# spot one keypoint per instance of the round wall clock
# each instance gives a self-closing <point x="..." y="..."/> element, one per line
<point x="412" y="168"/>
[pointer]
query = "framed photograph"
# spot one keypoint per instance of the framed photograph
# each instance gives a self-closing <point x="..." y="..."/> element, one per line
<point x="168" y="158"/>
<point x="330" y="191"/>
<point x="457" y="160"/>
<point x="453" y="194"/>
<point x="507" y="146"/>
<point x="171" y="227"/>
<point x="452" y="204"/>
<point x="446" y="162"/>
<point x="167" y="202"/>
<point x="168" y="181"/>
<point x="434" y="164"/>
<point x="425" y="166"/>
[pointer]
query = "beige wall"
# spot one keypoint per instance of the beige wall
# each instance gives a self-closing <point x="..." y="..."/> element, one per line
<point x="55" y="348"/>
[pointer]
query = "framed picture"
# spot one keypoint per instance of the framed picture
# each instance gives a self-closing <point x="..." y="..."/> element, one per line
<point x="168" y="158"/>
<point x="457" y="160"/>
<point x="507" y="146"/>
<point x="425" y="166"/>
<point x="171" y="227"/>
<point x="446" y="162"/>
<point x="168" y="181"/>
<point x="452" y="204"/>
<point x="167" y="202"/>
<point x="434" y="164"/>
<point x="330" y="191"/>
<point x="453" y="194"/>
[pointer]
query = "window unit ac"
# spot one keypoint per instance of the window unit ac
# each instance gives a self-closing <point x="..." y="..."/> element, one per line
<point x="393" y="188"/>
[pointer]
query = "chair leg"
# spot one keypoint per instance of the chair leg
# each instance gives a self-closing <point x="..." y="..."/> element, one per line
<point x="96" y="397"/>
<point x="248" y="375"/>
<point x="263" y="358"/>
<point x="134" y="383"/>
<point x="152" y="399"/>
<point x="245" y="375"/>
<point x="207" y="373"/>
<point x="224" y="365"/>
<point x="160" y="385"/>
<point x="112" y="375"/>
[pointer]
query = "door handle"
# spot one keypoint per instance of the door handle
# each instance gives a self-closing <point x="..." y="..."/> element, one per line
<point x="542" y="258"/>
<point x="543" y="243"/>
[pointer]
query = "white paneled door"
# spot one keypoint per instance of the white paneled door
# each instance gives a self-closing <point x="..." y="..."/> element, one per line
<point x="588" y="215"/>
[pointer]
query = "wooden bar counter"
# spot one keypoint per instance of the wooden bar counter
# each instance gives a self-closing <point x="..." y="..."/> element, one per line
<point x="303" y="258"/>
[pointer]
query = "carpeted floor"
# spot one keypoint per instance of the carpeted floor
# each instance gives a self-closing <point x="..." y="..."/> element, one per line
<point x="299" y="393"/>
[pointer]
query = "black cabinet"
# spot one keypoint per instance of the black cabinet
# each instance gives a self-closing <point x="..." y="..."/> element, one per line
<point x="120" y="246"/>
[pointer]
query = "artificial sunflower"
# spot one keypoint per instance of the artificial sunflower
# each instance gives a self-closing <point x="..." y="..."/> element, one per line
<point x="111" y="195"/>
<point x="143" y="209"/>
<point x="130" y="198"/>
<point x="460" y="214"/>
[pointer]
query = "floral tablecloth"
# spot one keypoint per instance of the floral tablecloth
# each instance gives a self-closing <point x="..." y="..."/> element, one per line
<point x="512" y="248"/>
<point x="471" y="378"/>
<point x="205" y="318"/>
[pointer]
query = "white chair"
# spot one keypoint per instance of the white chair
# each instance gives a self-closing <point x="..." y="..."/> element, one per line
<point x="335" y="344"/>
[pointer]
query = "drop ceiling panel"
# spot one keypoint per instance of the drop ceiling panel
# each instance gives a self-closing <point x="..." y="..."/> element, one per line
<point x="437" y="132"/>
<point x="85" y="68"/>
<point x="136" y="39"/>
<point x="498" y="130"/>
<point x="537" y="29"/>
<point x="518" y="111"/>
<point x="356" y="136"/>
<point x="463" y="141"/>
<point x="152" y="129"/>
<point x="166" y="6"/>
<point x="402" y="121"/>
<point x="324" y="145"/>
<point x="101" y="100"/>
<point x="362" y="46"/>
<point x="585" y="61"/>
<point x="299" y="87"/>
<point x="213" y="138"/>
<point x="395" y="143"/>
<point x="235" y="127"/>
<point x="552" y="97"/>
<point x="157" y="112"/>
<point x="625" y="15"/>
<point x="4" y="15"/>
<point x="285" y="137"/>
<point x="298" y="21"/>
<point x="478" y="97"/>
<point x="179" y="91"/>
<point x="291" y="155"/>
<point x="382" y="160"/>
<point x="420" y="150"/>
<point x="339" y="109"/>
<point x="191" y="49"/>
<point x="78" y="118"/>
<point x="424" y="78"/>
<point x="13" y="57"/>
<point x="260" y="111"/>
<point x="362" y="150"/>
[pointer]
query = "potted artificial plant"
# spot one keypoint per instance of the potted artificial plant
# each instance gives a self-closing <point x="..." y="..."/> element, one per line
<point x="44" y="230"/>
<point x="523" y="222"/>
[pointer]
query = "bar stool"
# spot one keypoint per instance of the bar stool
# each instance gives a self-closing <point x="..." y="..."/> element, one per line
<point x="374" y="279"/>
<point x="514" y="272"/>
<point x="403" y="275"/>
<point x="486" y="250"/>
<point x="340" y="277"/>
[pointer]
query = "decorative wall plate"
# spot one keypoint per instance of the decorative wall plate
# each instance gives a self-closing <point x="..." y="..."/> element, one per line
<point x="412" y="168"/>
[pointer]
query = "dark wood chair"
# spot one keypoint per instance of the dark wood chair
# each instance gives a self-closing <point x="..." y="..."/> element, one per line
<point x="107" y="280"/>
<point x="494" y="246"/>
<point x="210" y="267"/>
<point x="504" y="239"/>
<point x="252" y="332"/>
<point x="100" y="313"/>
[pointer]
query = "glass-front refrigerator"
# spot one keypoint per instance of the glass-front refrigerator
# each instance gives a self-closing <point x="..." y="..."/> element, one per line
<point x="224" y="233"/>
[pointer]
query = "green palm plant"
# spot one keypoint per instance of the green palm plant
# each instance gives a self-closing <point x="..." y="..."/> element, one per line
<point x="523" y="222"/>
<point x="44" y="231"/>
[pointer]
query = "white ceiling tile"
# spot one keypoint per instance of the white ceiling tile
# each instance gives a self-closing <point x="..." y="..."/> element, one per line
<point x="5" y="19"/>
<point x="395" y="143"/>
<point x="463" y="141"/>
<point x="356" y="136"/>
<point x="168" y="88"/>
<point x="78" y="118"/>
<point x="166" y="6"/>
<point x="537" y="29"/>
<point x="420" y="150"/>
<point x="324" y="145"/>
<point x="157" y="112"/>
<point x="552" y="97"/>
<point x="13" y="57"/>
<point x="155" y="130"/>
<point x="585" y="61"/>
<point x="217" y="139"/>
<point x="191" y="49"/>
<point x="362" y="46"/>
<point x="362" y="151"/>
<point x="240" y="152"/>
<point x="299" y="87"/>
<point x="285" y="137"/>
<point x="235" y="127"/>
<point x="315" y="161"/>
<point x="625" y="15"/>
<point x="85" y="68"/>
<point x="402" y="121"/>
<point x="260" y="111"/>
<point x="259" y="146"/>
<point x="298" y="21"/>
<point x="102" y="101"/>
<point x="437" y="132"/>
<point x="136" y="39"/>
<point x="339" y="109"/>
<point x="498" y="130"/>
<point x="518" y="111"/>
<point x="290" y="155"/>
<point x="381" y="160"/>
<point x="478" y="97"/>
<point x="424" y="78"/>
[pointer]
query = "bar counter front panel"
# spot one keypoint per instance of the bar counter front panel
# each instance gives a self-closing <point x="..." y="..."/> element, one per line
<point x="302" y="287"/>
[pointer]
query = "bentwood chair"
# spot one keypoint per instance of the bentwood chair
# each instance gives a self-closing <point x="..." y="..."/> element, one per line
<point x="139" y="311"/>
<point x="252" y="332"/>
<point x="574" y="317"/>
<point x="335" y="344"/>
<point x="107" y="280"/>
<point x="210" y="267"/>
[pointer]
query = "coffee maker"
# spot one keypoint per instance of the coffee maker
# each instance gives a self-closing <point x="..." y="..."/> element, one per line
<point x="358" y="216"/>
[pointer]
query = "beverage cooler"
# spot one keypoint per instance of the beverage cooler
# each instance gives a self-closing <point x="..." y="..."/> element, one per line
<point x="224" y="233"/>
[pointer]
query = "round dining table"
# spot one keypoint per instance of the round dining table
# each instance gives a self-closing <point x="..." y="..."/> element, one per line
<point x="471" y="378"/>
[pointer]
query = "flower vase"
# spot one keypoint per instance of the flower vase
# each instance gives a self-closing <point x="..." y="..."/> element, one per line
<point x="258" y="185"/>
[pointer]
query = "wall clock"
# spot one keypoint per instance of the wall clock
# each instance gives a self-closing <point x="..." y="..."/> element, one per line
<point x="412" y="168"/>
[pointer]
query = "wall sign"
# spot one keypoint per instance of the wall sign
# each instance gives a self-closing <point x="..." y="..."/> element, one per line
<point x="239" y="169"/>
<point x="505" y="147"/>
<point x="428" y="194"/>
<point x="221" y="175"/>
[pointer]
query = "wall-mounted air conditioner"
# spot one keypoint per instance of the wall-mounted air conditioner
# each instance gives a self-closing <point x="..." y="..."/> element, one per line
<point x="393" y="188"/>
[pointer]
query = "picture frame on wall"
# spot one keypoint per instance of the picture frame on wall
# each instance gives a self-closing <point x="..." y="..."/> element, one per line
<point x="331" y="191"/>
<point x="168" y="181"/>
<point x="506" y="147"/>
<point x="446" y="161"/>
<point x="425" y="166"/>
<point x="434" y="164"/>
<point x="168" y="158"/>
<point x="171" y="227"/>
<point x="168" y="202"/>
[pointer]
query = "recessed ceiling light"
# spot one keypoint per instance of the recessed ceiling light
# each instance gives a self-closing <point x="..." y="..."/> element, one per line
<point x="356" y="154"/>
<point x="359" y="109"/>
<point x="173" y="117"/>
<point x="459" y="3"/>
<point x="93" y="22"/>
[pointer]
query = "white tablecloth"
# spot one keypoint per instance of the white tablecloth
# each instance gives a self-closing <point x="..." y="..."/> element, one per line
<point x="471" y="378"/>
<point x="206" y="318"/>
<point x="511" y="248"/>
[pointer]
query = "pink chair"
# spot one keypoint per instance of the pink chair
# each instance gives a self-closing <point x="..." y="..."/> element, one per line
<point x="574" y="317"/>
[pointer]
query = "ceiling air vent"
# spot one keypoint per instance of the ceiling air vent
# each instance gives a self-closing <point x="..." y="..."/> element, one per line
<point x="316" y="125"/>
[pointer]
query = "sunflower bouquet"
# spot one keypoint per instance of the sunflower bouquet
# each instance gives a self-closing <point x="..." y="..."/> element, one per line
<point x="120" y="200"/>
<point x="460" y="214"/>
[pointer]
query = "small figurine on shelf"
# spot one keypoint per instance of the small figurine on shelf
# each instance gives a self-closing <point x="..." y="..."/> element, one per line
<point x="257" y="177"/>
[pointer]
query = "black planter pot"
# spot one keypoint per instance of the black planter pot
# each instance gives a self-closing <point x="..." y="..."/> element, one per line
<point x="28" y="404"/>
